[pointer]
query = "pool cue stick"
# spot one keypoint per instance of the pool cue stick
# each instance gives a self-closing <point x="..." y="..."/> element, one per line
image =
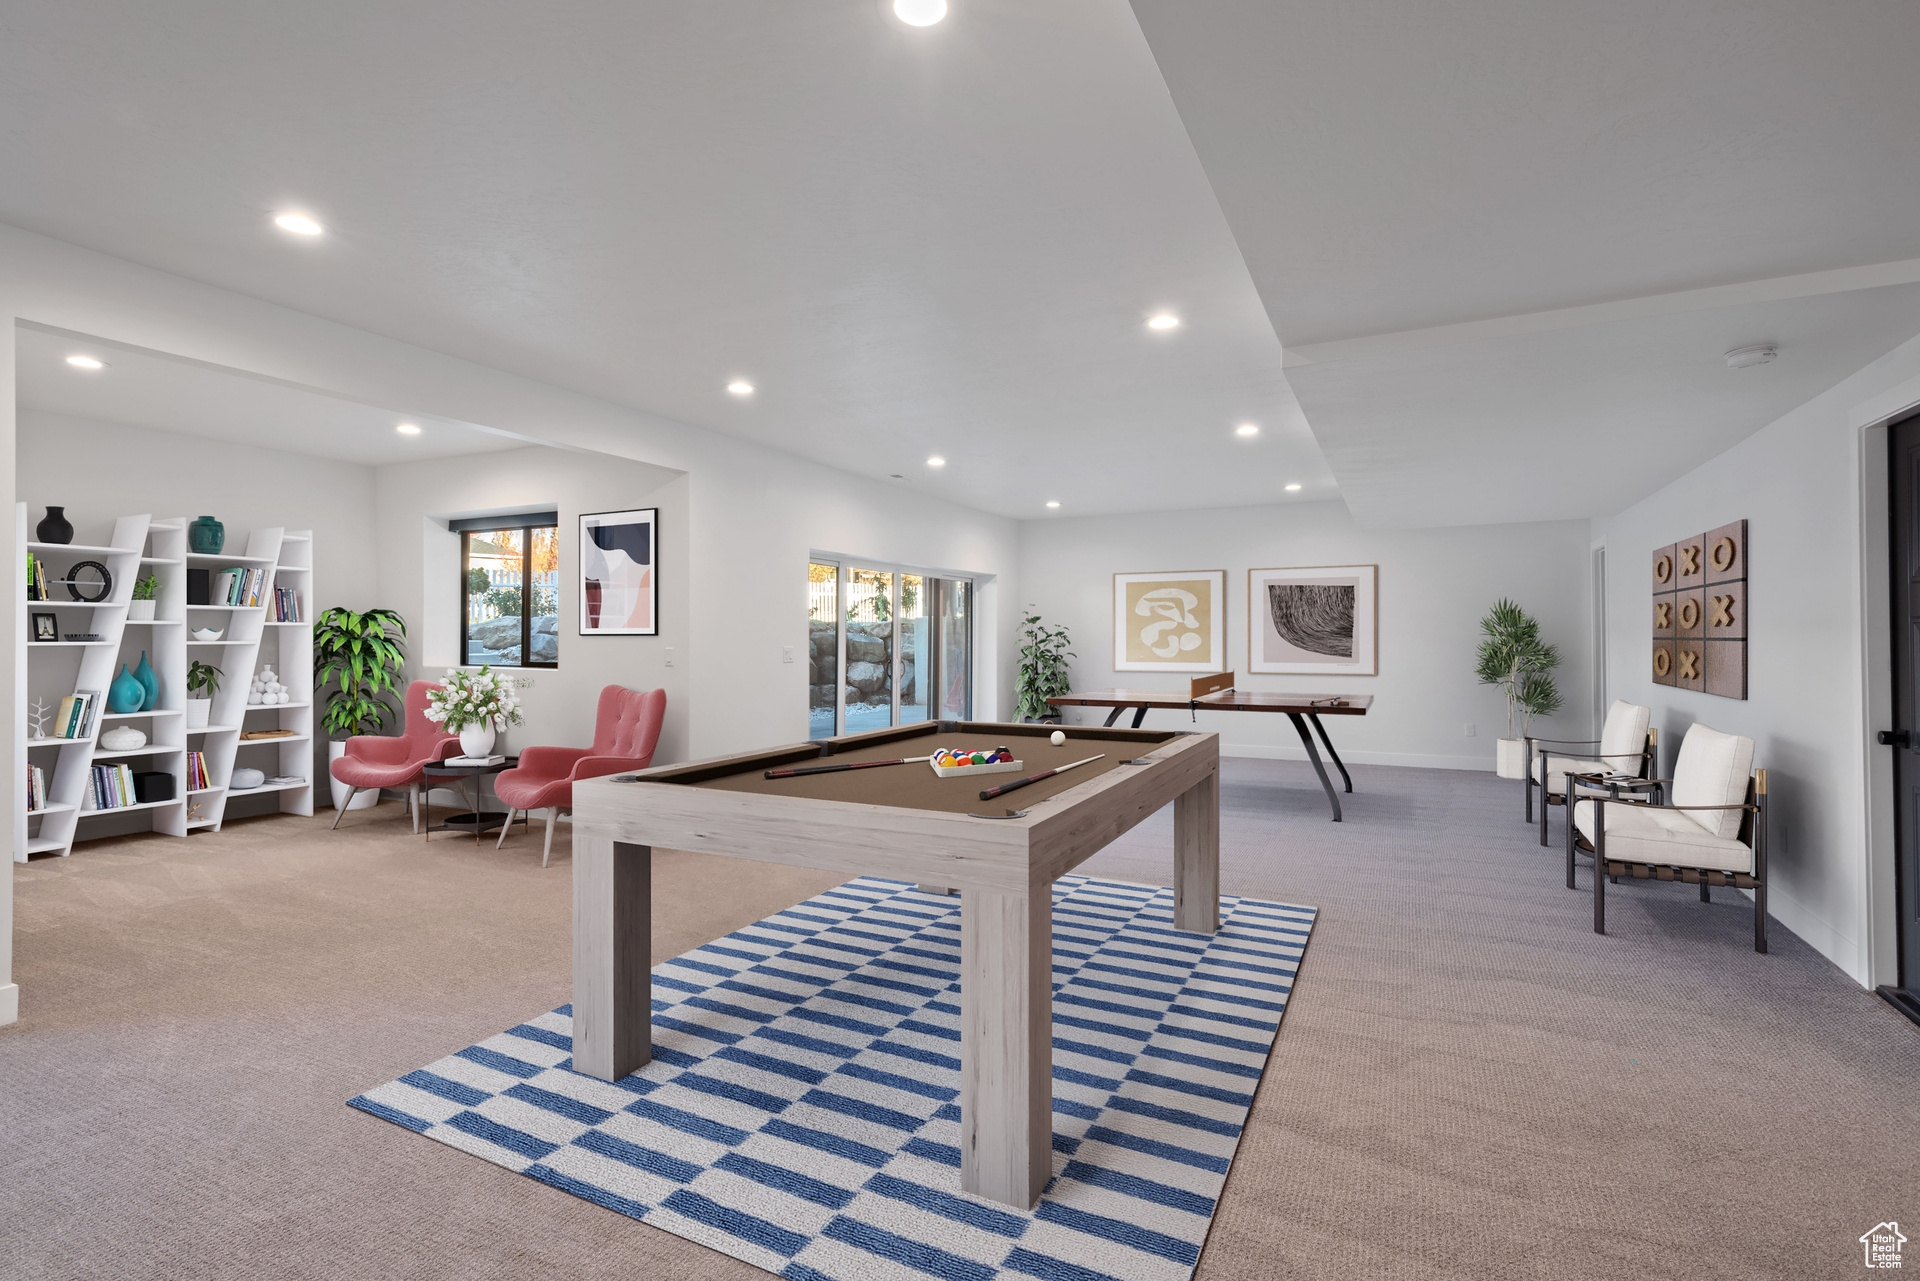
<point x="835" y="769"/>
<point x="992" y="792"/>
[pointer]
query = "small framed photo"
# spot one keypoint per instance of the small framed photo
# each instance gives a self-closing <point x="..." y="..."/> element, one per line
<point x="619" y="579"/>
<point x="46" y="627"/>
<point x="1314" y="620"/>
<point x="1173" y="622"/>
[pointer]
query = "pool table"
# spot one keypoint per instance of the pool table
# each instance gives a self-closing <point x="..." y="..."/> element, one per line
<point x="905" y="822"/>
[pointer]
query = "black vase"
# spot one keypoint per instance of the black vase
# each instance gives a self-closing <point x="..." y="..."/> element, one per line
<point x="56" y="528"/>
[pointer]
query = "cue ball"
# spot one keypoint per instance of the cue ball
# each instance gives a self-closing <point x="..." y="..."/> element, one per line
<point x="1058" y="738"/>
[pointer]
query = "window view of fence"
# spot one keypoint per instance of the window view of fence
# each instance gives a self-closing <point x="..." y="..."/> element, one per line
<point x="511" y="596"/>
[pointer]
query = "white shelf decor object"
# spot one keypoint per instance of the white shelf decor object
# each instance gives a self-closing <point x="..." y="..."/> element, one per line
<point x="48" y="671"/>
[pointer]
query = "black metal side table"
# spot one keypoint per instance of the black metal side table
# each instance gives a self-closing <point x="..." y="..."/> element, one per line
<point x="475" y="820"/>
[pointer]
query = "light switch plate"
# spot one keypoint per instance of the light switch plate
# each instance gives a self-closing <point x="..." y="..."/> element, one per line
<point x="669" y="656"/>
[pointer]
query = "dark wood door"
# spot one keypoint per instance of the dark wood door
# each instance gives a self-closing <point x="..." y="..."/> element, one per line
<point x="1904" y="738"/>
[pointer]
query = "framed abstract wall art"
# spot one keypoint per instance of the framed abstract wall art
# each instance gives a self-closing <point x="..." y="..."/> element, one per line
<point x="1314" y="620"/>
<point x="619" y="585"/>
<point x="1170" y="622"/>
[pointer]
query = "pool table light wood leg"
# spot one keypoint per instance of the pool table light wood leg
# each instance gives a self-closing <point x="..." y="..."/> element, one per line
<point x="1006" y="1046"/>
<point x="612" y="948"/>
<point x="1196" y="857"/>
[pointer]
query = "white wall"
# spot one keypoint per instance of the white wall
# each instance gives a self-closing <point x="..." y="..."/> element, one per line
<point x="753" y="515"/>
<point x="417" y="553"/>
<point x="1434" y="587"/>
<point x="1812" y="487"/>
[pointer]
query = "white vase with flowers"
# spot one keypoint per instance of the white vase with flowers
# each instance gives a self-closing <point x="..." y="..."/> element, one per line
<point x="476" y="705"/>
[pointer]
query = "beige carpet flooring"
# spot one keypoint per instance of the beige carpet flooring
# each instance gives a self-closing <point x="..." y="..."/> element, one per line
<point x="1468" y="1083"/>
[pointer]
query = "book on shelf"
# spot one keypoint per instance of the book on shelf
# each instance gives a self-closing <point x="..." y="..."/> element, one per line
<point x="36" y="789"/>
<point x="112" y="787"/>
<point x="77" y="713"/>
<point x="197" y="779"/>
<point x="286" y="605"/>
<point x="36" y="578"/>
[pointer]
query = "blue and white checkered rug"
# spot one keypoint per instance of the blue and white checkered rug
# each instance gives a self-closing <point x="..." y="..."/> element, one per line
<point x="799" y="1112"/>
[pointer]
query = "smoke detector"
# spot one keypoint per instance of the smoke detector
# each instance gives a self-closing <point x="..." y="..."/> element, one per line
<point x="1748" y="357"/>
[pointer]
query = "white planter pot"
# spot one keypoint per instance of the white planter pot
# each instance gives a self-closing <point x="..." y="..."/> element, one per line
<point x="197" y="712"/>
<point x="140" y="611"/>
<point x="476" y="740"/>
<point x="364" y="800"/>
<point x="1512" y="761"/>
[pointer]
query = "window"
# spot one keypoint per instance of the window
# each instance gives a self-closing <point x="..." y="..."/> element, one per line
<point x="510" y="590"/>
<point x="886" y="647"/>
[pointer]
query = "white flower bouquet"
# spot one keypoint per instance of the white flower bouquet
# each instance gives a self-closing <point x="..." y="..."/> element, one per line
<point x="469" y="699"/>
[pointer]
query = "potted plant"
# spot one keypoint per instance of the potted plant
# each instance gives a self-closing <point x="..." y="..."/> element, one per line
<point x="358" y="652"/>
<point x="1515" y="658"/>
<point x="1043" y="669"/>
<point x="474" y="705"/>
<point x="145" y="592"/>
<point x="201" y="676"/>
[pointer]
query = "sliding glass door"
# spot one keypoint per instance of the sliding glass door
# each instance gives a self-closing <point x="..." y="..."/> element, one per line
<point x="886" y="646"/>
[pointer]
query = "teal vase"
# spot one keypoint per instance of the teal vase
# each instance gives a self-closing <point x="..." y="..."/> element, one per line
<point x="149" y="681"/>
<point x="126" y="693"/>
<point x="206" y="536"/>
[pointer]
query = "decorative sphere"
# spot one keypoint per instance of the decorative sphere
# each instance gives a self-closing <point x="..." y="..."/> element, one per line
<point x="1057" y="737"/>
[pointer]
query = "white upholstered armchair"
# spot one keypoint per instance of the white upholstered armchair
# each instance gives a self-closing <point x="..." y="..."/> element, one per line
<point x="1713" y="833"/>
<point x="1626" y="748"/>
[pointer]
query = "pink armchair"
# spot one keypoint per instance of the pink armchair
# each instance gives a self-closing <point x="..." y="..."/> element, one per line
<point x="626" y="730"/>
<point x="374" y="760"/>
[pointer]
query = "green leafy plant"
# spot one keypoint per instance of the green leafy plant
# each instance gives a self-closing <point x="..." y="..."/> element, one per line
<point x="1515" y="658"/>
<point x="1043" y="668"/>
<point x="203" y="676"/>
<point x="147" y="588"/>
<point x="477" y="582"/>
<point x="359" y="652"/>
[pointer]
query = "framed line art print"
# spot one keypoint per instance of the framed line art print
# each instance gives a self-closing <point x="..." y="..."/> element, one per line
<point x="1170" y="622"/>
<point x="1314" y="620"/>
<point x="619" y="579"/>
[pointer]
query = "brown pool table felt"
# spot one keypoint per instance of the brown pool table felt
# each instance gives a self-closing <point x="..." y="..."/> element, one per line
<point x="916" y="786"/>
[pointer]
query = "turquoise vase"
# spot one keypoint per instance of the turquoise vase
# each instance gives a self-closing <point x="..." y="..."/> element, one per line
<point x="126" y="693"/>
<point x="149" y="681"/>
<point x="206" y="536"/>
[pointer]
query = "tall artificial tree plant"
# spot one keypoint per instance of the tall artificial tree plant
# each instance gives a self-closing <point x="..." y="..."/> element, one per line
<point x="359" y="651"/>
<point x="1515" y="658"/>
<point x="1043" y="668"/>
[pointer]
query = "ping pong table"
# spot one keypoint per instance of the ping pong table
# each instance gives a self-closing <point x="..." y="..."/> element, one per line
<point x="1216" y="693"/>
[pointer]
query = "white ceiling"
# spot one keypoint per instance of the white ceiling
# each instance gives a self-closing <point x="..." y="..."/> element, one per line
<point x="1498" y="241"/>
<point x="1506" y="245"/>
<point x="164" y="393"/>
<point x="913" y="241"/>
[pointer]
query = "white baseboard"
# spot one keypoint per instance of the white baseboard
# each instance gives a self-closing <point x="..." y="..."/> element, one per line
<point x="9" y="1004"/>
<point x="1412" y="760"/>
<point x="1844" y="952"/>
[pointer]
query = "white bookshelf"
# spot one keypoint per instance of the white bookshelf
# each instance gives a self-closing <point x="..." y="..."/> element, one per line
<point x="50" y="670"/>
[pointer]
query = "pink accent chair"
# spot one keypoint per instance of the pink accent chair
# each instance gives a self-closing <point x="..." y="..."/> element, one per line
<point x="375" y="760"/>
<point x="625" y="732"/>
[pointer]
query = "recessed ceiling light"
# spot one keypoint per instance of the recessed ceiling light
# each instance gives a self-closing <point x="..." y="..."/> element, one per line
<point x="1053" y="504"/>
<point x="1748" y="357"/>
<point x="919" y="13"/>
<point x="1164" y="320"/>
<point x="740" y="387"/>
<point x="408" y="429"/>
<point x="86" y="362"/>
<point x="936" y="461"/>
<point x="1246" y="429"/>
<point x="298" y="223"/>
<point x="1292" y="488"/>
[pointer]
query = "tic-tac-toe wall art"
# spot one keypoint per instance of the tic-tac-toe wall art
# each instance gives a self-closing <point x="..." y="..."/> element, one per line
<point x="1700" y="612"/>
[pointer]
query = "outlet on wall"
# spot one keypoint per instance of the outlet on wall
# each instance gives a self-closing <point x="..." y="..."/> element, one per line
<point x="786" y="653"/>
<point x="1471" y="730"/>
<point x="669" y="656"/>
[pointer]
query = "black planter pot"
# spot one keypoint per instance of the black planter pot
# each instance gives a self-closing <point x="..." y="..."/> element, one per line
<point x="56" y="528"/>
